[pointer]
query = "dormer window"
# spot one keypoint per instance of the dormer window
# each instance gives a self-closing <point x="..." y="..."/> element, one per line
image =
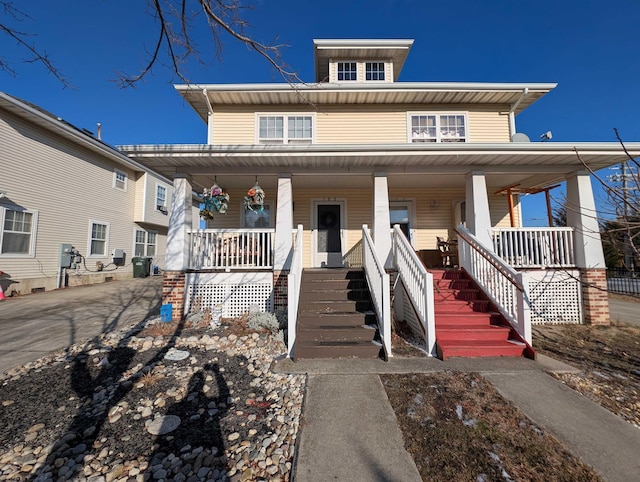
<point x="374" y="71"/>
<point x="347" y="71"/>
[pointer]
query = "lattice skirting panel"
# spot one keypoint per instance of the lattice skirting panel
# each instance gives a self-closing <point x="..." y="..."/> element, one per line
<point x="236" y="292"/>
<point x="555" y="296"/>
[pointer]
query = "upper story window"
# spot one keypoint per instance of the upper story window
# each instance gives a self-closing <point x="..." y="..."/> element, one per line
<point x="347" y="71"/>
<point x="119" y="179"/>
<point x="161" y="198"/>
<point x="17" y="232"/>
<point x="374" y="71"/>
<point x="285" y="129"/>
<point x="437" y="128"/>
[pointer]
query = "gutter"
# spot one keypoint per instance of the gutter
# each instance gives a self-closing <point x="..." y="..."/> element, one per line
<point x="209" y="117"/>
<point x="512" y="116"/>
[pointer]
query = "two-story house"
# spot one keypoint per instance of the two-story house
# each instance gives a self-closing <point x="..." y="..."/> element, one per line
<point x="63" y="188"/>
<point x="346" y="158"/>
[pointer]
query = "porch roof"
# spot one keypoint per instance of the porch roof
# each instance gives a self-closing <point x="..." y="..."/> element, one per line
<point x="528" y="164"/>
<point x="518" y="95"/>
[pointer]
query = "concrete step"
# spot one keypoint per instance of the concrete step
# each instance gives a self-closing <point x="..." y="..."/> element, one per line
<point x="479" y="348"/>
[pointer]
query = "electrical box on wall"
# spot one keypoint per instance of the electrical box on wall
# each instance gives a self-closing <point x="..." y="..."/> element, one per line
<point x="118" y="256"/>
<point x="66" y="255"/>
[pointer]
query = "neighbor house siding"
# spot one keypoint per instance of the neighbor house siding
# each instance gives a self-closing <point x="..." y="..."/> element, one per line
<point x="68" y="186"/>
<point x="359" y="124"/>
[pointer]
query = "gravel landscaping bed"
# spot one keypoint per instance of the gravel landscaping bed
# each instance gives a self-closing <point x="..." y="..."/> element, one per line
<point x="158" y="402"/>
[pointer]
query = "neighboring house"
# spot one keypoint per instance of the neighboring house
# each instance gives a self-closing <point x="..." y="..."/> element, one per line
<point x="60" y="186"/>
<point x="356" y="147"/>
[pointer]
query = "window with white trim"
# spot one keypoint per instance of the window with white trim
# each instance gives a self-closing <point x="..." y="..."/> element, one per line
<point x="98" y="236"/>
<point x="374" y="70"/>
<point x="347" y="71"/>
<point x="285" y="129"/>
<point x="17" y="232"/>
<point x="435" y="127"/>
<point x="146" y="242"/>
<point x="120" y="179"/>
<point x="161" y="198"/>
<point x="251" y="220"/>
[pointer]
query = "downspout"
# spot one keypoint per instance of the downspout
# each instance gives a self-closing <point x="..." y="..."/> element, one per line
<point x="512" y="115"/>
<point x="209" y="117"/>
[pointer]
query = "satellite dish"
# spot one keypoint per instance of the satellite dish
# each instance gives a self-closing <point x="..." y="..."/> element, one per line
<point x="520" y="137"/>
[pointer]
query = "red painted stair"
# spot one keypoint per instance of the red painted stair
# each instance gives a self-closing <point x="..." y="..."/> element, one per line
<point x="466" y="325"/>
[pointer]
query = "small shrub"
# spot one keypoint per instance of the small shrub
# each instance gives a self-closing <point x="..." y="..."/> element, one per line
<point x="260" y="321"/>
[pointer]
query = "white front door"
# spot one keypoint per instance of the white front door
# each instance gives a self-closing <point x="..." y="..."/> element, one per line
<point x="328" y="228"/>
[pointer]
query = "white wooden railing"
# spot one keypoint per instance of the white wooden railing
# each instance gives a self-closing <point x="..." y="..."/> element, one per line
<point x="231" y="248"/>
<point x="535" y="247"/>
<point x="378" y="281"/>
<point x="419" y="285"/>
<point x="294" y="281"/>
<point x="501" y="283"/>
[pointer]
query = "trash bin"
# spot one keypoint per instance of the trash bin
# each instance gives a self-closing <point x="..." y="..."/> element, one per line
<point x="141" y="267"/>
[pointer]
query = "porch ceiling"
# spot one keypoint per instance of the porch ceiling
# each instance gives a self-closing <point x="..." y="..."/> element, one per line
<point x="432" y="165"/>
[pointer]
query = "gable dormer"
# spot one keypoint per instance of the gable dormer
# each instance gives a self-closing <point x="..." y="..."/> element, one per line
<point x="353" y="61"/>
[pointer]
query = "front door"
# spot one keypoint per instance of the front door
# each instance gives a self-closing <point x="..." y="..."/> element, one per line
<point x="328" y="235"/>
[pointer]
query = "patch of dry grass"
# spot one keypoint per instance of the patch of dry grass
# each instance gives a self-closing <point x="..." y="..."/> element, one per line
<point x="458" y="427"/>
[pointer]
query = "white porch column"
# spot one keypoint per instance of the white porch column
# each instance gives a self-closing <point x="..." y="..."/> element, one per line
<point x="284" y="224"/>
<point x="582" y="216"/>
<point x="381" y="218"/>
<point x="477" y="207"/>
<point x="177" y="254"/>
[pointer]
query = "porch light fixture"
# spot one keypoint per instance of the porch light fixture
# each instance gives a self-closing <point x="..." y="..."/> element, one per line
<point x="254" y="200"/>
<point x="214" y="200"/>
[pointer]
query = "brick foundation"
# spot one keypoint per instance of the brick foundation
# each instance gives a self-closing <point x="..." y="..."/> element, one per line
<point x="280" y="290"/>
<point x="595" y="298"/>
<point x="173" y="291"/>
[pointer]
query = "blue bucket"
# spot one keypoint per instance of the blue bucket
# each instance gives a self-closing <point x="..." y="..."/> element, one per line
<point x="166" y="312"/>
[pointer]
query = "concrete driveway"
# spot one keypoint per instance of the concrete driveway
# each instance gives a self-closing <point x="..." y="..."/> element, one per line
<point x="35" y="325"/>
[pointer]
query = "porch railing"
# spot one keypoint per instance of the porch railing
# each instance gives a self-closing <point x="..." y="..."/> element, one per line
<point x="231" y="248"/>
<point x="418" y="283"/>
<point x="294" y="281"/>
<point x="501" y="283"/>
<point x="378" y="281"/>
<point x="535" y="247"/>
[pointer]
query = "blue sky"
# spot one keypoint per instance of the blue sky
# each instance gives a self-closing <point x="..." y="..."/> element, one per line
<point x="590" y="48"/>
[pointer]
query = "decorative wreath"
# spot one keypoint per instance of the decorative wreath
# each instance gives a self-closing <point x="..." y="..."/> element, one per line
<point x="214" y="200"/>
<point x="254" y="200"/>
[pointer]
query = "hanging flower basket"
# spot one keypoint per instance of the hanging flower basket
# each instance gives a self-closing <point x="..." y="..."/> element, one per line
<point x="254" y="200"/>
<point x="214" y="200"/>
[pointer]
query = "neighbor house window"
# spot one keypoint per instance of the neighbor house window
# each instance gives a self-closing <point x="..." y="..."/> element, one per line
<point x="98" y="236"/>
<point x="437" y="128"/>
<point x="253" y="220"/>
<point x="161" y="198"/>
<point x="285" y="129"/>
<point x="146" y="242"/>
<point x="374" y="71"/>
<point x="347" y="71"/>
<point x="17" y="232"/>
<point x="119" y="179"/>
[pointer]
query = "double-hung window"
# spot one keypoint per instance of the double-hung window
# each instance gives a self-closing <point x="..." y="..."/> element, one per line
<point x="146" y="242"/>
<point x="17" y="232"/>
<point x="119" y="179"/>
<point x="437" y="127"/>
<point x="374" y="70"/>
<point x="285" y="129"/>
<point x="161" y="198"/>
<point x="347" y="71"/>
<point x="98" y="237"/>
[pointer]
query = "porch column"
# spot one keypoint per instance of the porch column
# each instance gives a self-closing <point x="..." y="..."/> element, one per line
<point x="382" y="219"/>
<point x="477" y="207"/>
<point x="177" y="254"/>
<point x="284" y="240"/>
<point x="589" y="255"/>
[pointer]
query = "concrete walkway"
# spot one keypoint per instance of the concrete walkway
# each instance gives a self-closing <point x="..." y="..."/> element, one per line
<point x="35" y="325"/>
<point x="349" y="430"/>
